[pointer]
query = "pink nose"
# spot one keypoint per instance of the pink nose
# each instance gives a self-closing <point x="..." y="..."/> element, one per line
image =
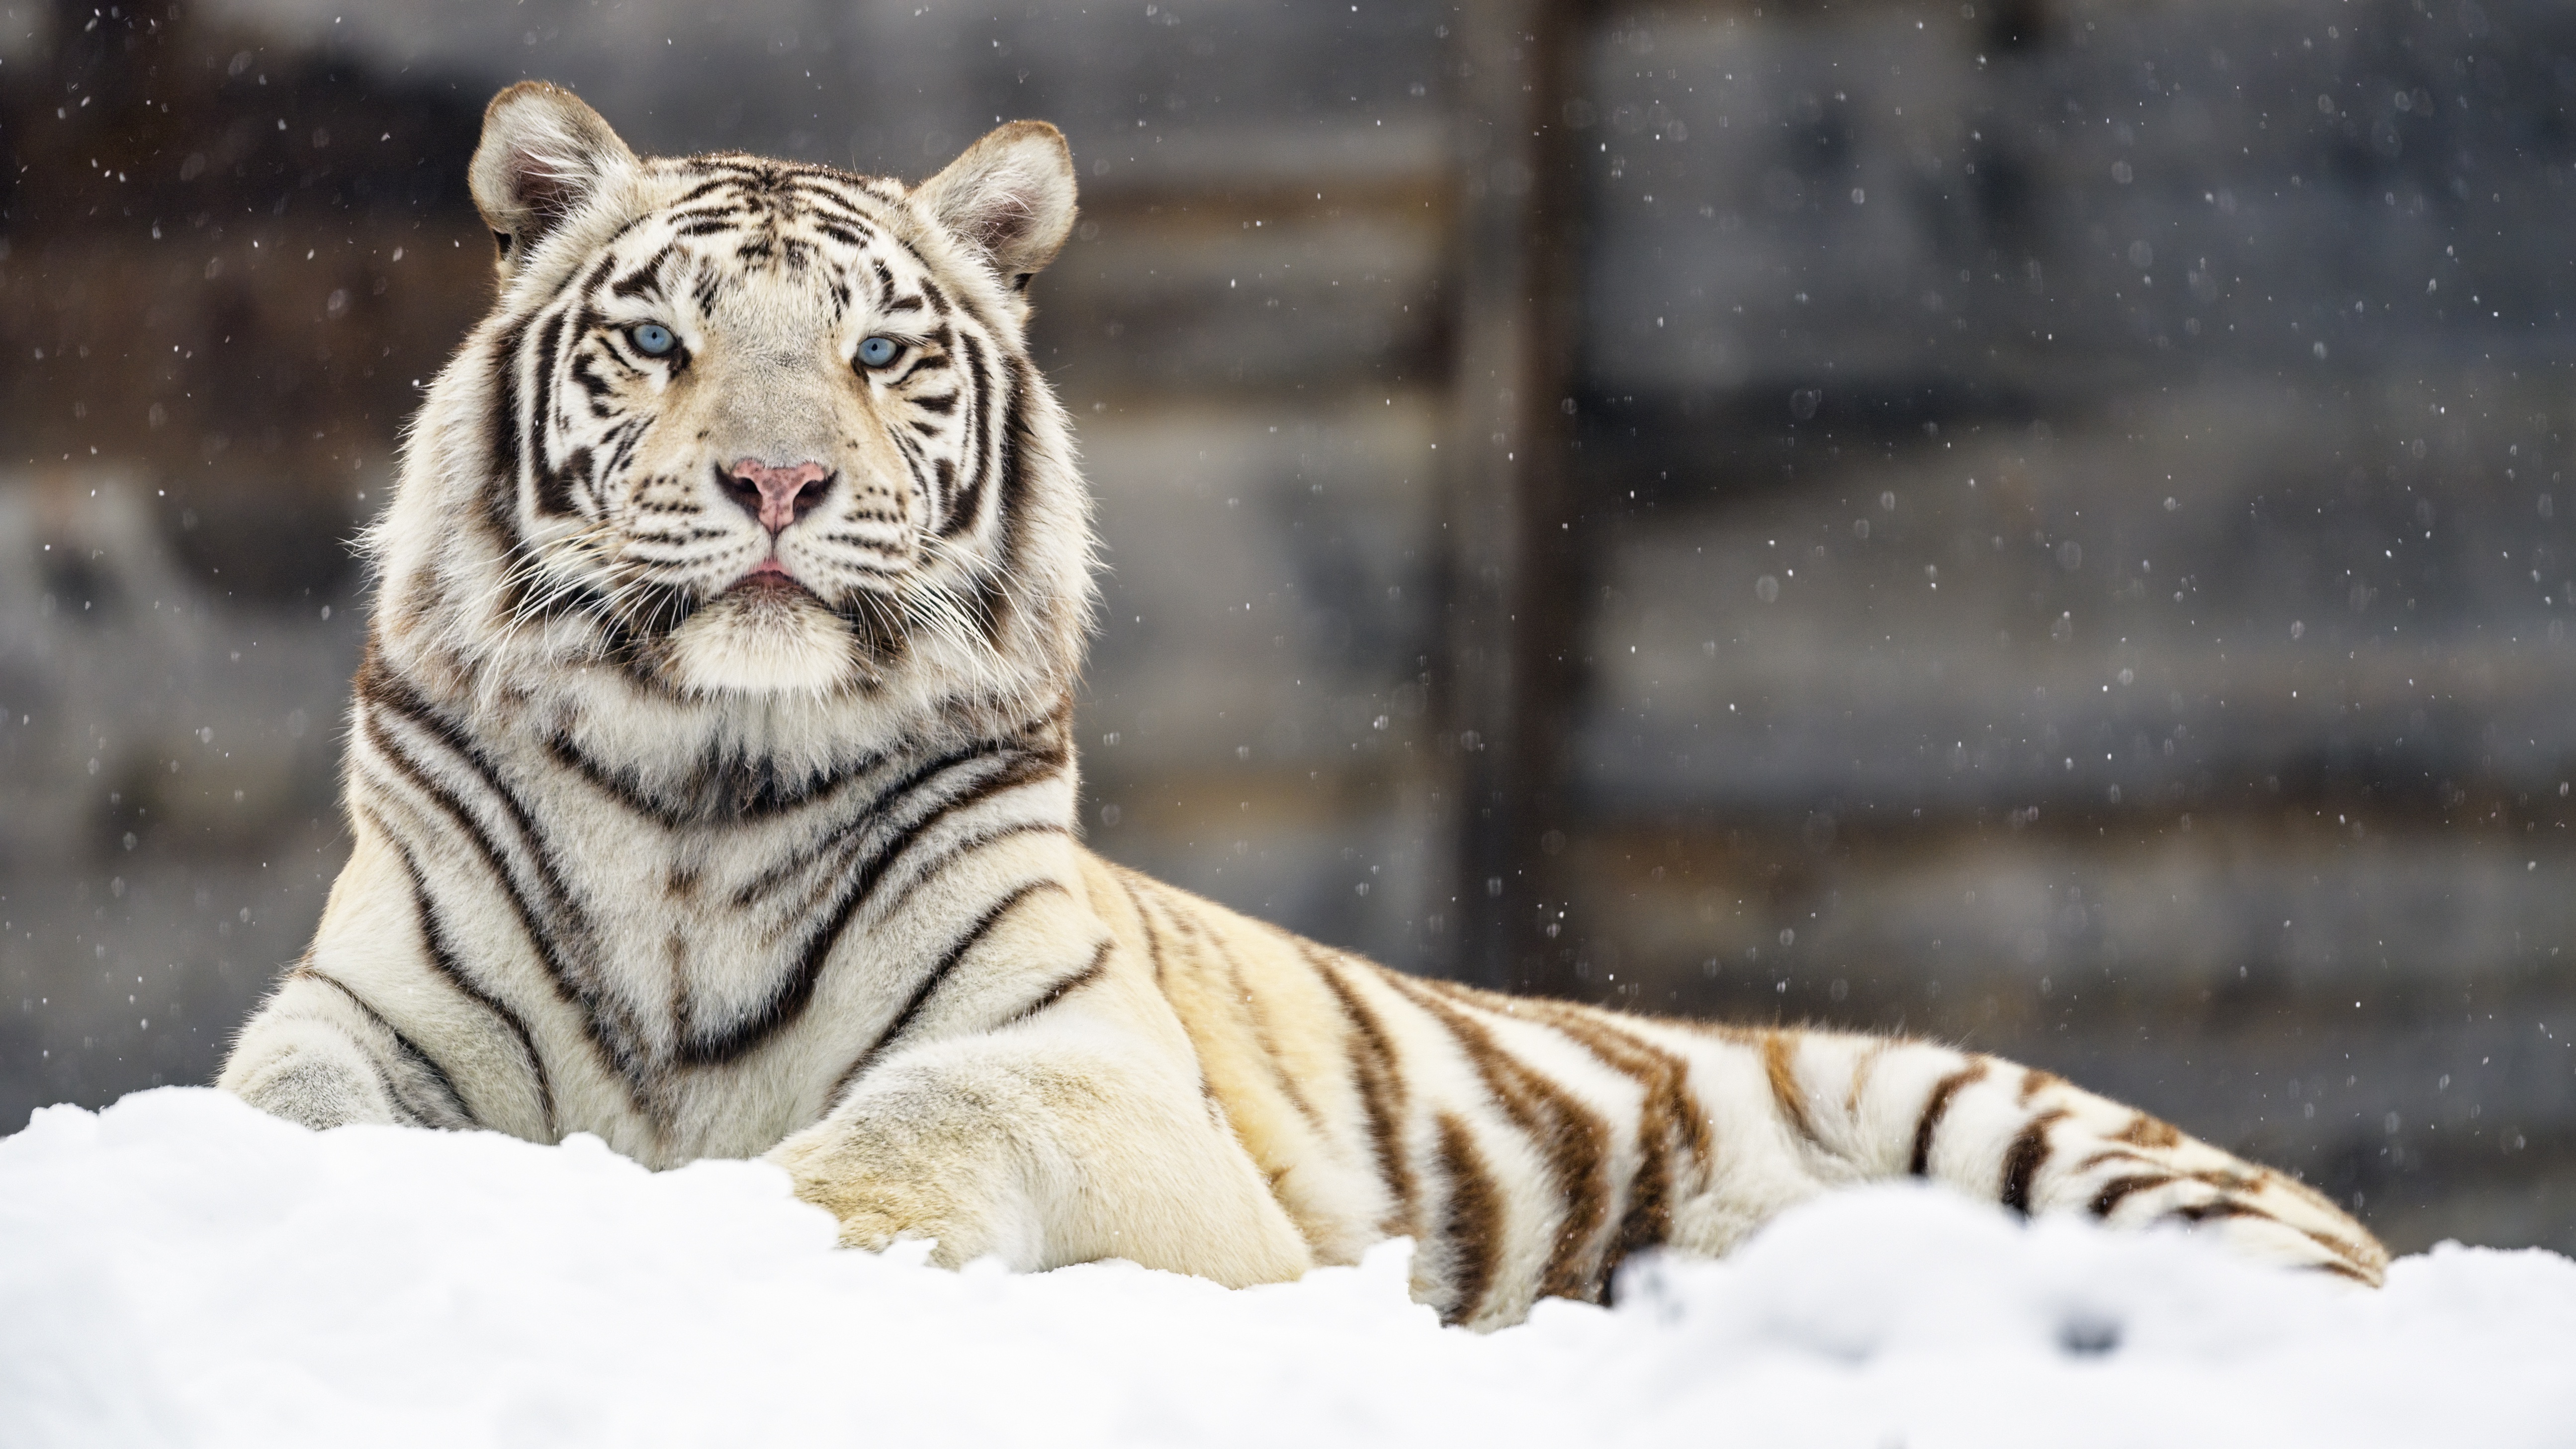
<point x="775" y="496"/>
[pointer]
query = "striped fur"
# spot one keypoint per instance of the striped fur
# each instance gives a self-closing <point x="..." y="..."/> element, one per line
<point x="719" y="842"/>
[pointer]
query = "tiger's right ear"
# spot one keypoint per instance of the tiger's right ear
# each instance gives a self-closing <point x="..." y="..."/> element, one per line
<point x="544" y="155"/>
<point x="1010" y="196"/>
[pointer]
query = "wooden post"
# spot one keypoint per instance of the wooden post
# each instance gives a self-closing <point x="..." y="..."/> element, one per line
<point x="1514" y="620"/>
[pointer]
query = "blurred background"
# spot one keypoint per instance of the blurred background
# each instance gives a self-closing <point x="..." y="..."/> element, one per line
<point x="2027" y="521"/>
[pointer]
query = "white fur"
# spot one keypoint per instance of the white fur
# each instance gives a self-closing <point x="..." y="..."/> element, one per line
<point x="719" y="842"/>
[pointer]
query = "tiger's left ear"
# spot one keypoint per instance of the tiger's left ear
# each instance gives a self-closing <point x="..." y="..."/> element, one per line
<point x="1010" y="195"/>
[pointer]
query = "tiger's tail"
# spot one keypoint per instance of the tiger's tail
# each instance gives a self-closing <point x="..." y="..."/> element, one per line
<point x="2036" y="1143"/>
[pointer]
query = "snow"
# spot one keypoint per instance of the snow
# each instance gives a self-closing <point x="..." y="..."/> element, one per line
<point x="179" y="1269"/>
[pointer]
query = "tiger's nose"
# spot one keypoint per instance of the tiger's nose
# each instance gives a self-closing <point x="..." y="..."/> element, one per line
<point x="775" y="496"/>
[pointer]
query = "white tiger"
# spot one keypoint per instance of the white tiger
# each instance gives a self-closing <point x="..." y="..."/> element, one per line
<point x="712" y="781"/>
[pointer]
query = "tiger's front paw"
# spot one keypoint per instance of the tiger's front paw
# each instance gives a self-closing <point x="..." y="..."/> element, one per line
<point x="874" y="1211"/>
<point x="873" y="1225"/>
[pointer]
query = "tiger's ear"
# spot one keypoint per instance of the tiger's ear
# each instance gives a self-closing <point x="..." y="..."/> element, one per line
<point x="1010" y="195"/>
<point x="544" y="155"/>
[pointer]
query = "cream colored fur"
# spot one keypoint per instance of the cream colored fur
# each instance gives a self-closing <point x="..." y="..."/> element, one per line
<point x="719" y="842"/>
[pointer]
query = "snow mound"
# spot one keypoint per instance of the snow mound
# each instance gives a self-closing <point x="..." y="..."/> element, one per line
<point x="180" y="1269"/>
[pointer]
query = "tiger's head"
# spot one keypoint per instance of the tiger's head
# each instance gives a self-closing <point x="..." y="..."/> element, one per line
<point x="749" y="430"/>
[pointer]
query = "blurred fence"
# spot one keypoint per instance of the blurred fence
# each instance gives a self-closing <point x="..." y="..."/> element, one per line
<point x="2036" y="523"/>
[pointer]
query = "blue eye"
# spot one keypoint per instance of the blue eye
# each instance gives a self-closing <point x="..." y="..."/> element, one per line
<point x="652" y="339"/>
<point x="878" y="351"/>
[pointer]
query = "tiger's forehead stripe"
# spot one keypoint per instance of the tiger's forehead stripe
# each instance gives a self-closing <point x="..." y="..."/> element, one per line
<point x="765" y="209"/>
<point x="776" y="196"/>
<point x="646" y="277"/>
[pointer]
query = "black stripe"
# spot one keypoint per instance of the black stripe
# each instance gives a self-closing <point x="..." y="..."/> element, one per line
<point x="628" y="436"/>
<point x="2120" y="1187"/>
<point x="624" y="639"/>
<point x="923" y="361"/>
<point x="2335" y="1243"/>
<point x="607" y="263"/>
<point x="1935" y="1109"/>
<point x="574" y="982"/>
<point x="1256" y="1018"/>
<point x="1666" y="1111"/>
<point x="1153" y="938"/>
<point x="722" y="788"/>
<point x="931" y="868"/>
<point x="1572" y="1137"/>
<point x="443" y="960"/>
<point x="1097" y="968"/>
<point x="2217" y="1207"/>
<point x="930" y="984"/>
<point x="975" y="386"/>
<point x="553" y="488"/>
<point x="2028" y="1153"/>
<point x="734" y="209"/>
<point x="873" y="814"/>
<point x="828" y="198"/>
<point x="382" y="688"/>
<point x="1779" y="1067"/>
<point x="919" y="467"/>
<point x="704" y="188"/>
<point x="861" y="877"/>
<point x="646" y="277"/>
<point x="412" y="1051"/>
<point x="1471" y="1222"/>
<point x="599" y="388"/>
<point x="1021" y="769"/>
<point x="1011" y="505"/>
<point x="501" y="501"/>
<point x="1374" y="1067"/>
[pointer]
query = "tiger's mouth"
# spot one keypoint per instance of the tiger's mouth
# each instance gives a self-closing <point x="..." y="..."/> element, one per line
<point x="767" y="631"/>
<point x="769" y="581"/>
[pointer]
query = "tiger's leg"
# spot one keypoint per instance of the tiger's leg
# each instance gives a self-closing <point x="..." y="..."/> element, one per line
<point x="1080" y="1133"/>
<point x="320" y="1051"/>
<point x="1872" y="1108"/>
<point x="318" y="1055"/>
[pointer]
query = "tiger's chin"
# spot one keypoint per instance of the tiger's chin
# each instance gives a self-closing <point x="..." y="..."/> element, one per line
<point x="765" y="636"/>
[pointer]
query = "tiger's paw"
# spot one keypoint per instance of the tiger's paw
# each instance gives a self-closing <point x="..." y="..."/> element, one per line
<point x="870" y="1219"/>
<point x="880" y="1211"/>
